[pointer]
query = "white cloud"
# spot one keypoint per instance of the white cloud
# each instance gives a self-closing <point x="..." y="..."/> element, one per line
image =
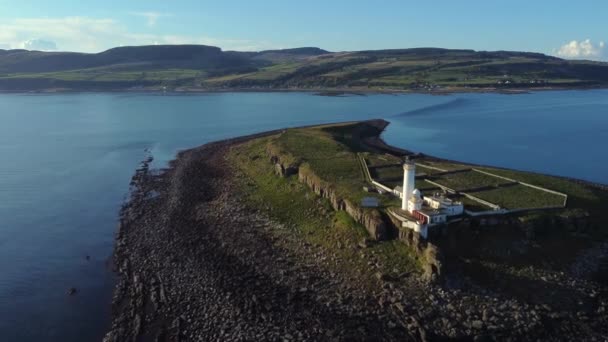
<point x="581" y="49"/>
<point x="71" y="33"/>
<point x="39" y="44"/>
<point x="4" y="46"/>
<point x="151" y="17"/>
<point x="86" y="34"/>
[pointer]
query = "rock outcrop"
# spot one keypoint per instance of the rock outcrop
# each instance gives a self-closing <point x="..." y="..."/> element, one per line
<point x="428" y="253"/>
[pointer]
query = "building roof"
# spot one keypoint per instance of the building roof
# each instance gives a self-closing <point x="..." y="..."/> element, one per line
<point x="370" y="202"/>
<point x="443" y="200"/>
<point x="431" y="212"/>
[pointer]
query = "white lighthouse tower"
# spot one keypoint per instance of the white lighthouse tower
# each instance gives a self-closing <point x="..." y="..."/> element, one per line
<point x="409" y="179"/>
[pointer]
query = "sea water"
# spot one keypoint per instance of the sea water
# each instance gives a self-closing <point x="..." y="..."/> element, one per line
<point x="66" y="161"/>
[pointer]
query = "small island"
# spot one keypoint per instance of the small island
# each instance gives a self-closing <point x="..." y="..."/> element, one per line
<point x="328" y="233"/>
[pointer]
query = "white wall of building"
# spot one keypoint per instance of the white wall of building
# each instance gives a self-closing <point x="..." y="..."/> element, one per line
<point x="455" y="209"/>
<point x="450" y="208"/>
<point x="432" y="202"/>
<point x="421" y="229"/>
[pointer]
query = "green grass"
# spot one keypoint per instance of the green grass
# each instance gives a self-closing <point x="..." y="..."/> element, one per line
<point x="263" y="74"/>
<point x="373" y="159"/>
<point x="520" y="196"/>
<point x="108" y="75"/>
<point x="273" y="72"/>
<point x="65" y="76"/>
<point x="461" y="181"/>
<point x="377" y="70"/>
<point x="426" y="187"/>
<point x="332" y="161"/>
<point x="428" y="171"/>
<point x="386" y="173"/>
<point x="443" y="165"/>
<point x="580" y="196"/>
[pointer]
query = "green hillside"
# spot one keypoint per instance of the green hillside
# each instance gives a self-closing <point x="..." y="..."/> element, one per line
<point x="197" y="67"/>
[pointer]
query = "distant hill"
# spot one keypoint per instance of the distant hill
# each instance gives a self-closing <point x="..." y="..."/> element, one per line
<point x="303" y="51"/>
<point x="192" y="67"/>
<point x="138" y="58"/>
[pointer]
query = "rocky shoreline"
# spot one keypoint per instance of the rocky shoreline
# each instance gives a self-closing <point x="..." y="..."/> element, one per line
<point x="316" y="91"/>
<point x="194" y="263"/>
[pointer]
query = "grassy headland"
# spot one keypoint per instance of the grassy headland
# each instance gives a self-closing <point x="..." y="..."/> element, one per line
<point x="307" y="215"/>
<point x="330" y="154"/>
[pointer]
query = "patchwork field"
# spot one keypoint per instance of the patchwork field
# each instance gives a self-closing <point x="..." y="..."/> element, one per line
<point x="520" y="196"/>
<point x="507" y="194"/>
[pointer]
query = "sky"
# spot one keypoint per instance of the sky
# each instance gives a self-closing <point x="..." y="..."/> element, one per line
<point x="569" y="29"/>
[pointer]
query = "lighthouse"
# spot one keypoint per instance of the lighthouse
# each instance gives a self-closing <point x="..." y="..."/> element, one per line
<point x="409" y="179"/>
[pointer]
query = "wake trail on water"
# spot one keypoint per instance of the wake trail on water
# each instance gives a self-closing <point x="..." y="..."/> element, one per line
<point x="434" y="108"/>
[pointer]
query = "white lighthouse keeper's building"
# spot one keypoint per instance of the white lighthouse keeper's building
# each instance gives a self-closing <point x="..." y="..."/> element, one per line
<point x="418" y="212"/>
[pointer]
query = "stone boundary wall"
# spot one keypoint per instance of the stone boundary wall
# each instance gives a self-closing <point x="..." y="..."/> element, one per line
<point x="484" y="202"/>
<point x="486" y="213"/>
<point x="431" y="167"/>
<point x="382" y="186"/>
<point x="363" y="163"/>
<point x="443" y="187"/>
<point x="520" y="210"/>
<point x="368" y="176"/>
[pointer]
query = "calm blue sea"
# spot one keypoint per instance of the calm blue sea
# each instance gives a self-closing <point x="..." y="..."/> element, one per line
<point x="66" y="161"/>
